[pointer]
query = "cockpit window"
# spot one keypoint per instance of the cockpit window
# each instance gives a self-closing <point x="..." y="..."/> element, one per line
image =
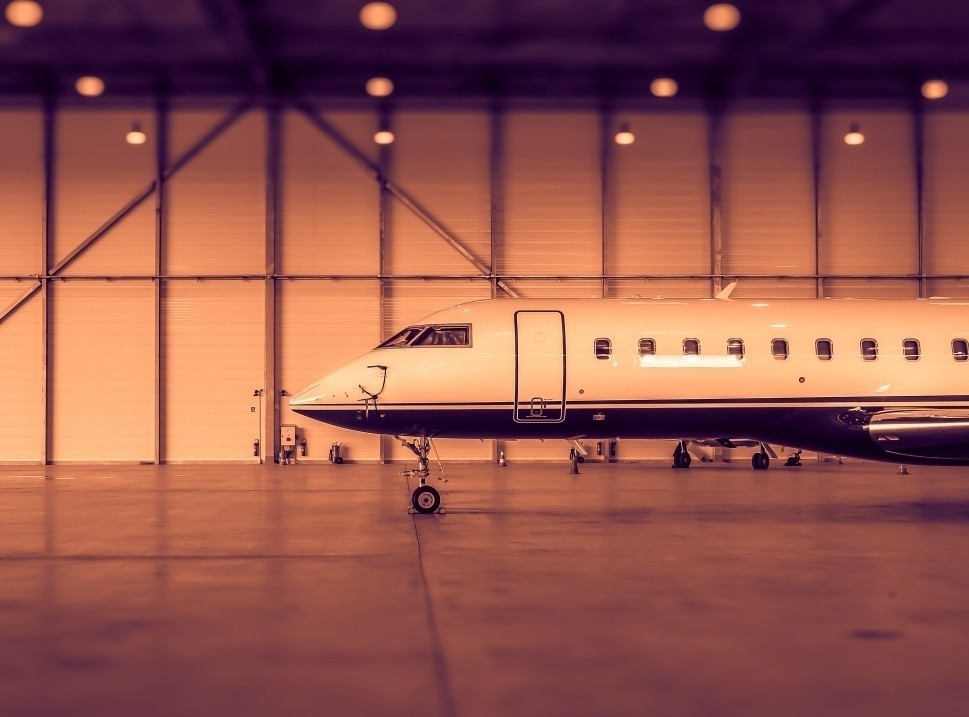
<point x="444" y="336"/>
<point x="401" y="338"/>
<point x="429" y="336"/>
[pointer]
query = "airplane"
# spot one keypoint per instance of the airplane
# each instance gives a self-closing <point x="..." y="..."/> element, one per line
<point x="884" y="379"/>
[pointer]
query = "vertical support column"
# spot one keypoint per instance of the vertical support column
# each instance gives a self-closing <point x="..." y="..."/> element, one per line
<point x="47" y="232"/>
<point x="715" y="129"/>
<point x="161" y="163"/>
<point x="816" y="175"/>
<point x="384" y="166"/>
<point x="270" y="427"/>
<point x="605" y="123"/>
<point x="918" y="127"/>
<point x="496" y="143"/>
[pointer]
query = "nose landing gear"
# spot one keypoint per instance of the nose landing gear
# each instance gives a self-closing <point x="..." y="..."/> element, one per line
<point x="425" y="499"/>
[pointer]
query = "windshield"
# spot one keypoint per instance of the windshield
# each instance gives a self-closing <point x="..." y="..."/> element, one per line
<point x="429" y="336"/>
<point x="401" y="338"/>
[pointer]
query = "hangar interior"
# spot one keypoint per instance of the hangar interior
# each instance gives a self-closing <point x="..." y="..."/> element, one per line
<point x="197" y="220"/>
<point x="161" y="300"/>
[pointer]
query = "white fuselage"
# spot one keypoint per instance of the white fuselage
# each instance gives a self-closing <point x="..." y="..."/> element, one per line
<point x="871" y="378"/>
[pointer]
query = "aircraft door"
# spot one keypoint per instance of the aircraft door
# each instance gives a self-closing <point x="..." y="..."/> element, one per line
<point x="539" y="366"/>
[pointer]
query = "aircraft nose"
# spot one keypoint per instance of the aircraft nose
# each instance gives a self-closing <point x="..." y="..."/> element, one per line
<point x="306" y="397"/>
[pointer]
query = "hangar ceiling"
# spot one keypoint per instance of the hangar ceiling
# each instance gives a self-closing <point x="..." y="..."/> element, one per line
<point x="549" y="49"/>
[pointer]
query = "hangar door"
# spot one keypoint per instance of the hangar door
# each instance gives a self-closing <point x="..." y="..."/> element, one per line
<point x="539" y="366"/>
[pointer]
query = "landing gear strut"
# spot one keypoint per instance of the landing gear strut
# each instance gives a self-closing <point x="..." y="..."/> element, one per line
<point x="425" y="498"/>
<point x="681" y="457"/>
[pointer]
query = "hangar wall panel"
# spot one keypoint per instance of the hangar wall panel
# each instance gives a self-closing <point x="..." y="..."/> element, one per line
<point x="330" y="204"/>
<point x="772" y="288"/>
<point x="658" y="192"/>
<point x="555" y="288"/>
<point x="322" y="325"/>
<point x="21" y="376"/>
<point x="946" y="211"/>
<point x="768" y="194"/>
<point x="535" y="450"/>
<point x="862" y="288"/>
<point x="408" y="301"/>
<point x="441" y="159"/>
<point x="954" y="288"/>
<point x="658" y="289"/>
<point x="215" y="212"/>
<point x="21" y="192"/>
<point x="213" y="334"/>
<point x="96" y="173"/>
<point x="550" y="209"/>
<point x="102" y="382"/>
<point x="868" y="196"/>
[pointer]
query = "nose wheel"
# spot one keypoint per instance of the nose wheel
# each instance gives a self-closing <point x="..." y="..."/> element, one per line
<point x="425" y="499"/>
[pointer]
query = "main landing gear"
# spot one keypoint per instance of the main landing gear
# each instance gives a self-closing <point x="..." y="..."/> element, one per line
<point x="760" y="460"/>
<point x="425" y="498"/>
<point x="681" y="457"/>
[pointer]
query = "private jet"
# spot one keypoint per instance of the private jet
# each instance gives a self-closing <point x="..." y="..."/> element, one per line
<point x="872" y="379"/>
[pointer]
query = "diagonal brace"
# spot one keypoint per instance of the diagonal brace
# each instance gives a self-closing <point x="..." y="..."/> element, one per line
<point x="397" y="192"/>
<point x="18" y="301"/>
<point x="141" y="196"/>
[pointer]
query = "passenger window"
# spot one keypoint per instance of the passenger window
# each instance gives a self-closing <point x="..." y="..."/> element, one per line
<point x="911" y="349"/>
<point x="603" y="349"/>
<point x="735" y="348"/>
<point x="779" y="349"/>
<point x="444" y="336"/>
<point x="869" y="349"/>
<point x="647" y="347"/>
<point x="824" y="349"/>
<point x="960" y="349"/>
<point x="691" y="347"/>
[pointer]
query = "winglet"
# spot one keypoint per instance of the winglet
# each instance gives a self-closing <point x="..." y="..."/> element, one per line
<point x="724" y="294"/>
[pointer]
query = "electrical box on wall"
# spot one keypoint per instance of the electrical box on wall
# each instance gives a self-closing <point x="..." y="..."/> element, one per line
<point x="287" y="435"/>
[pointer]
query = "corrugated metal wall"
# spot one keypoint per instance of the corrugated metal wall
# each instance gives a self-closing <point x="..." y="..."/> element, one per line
<point x="319" y="260"/>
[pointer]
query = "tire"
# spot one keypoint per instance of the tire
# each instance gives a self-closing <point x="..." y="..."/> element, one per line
<point x="425" y="499"/>
<point x="338" y="460"/>
<point x="760" y="461"/>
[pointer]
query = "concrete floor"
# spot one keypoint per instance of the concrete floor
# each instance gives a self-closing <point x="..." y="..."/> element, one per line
<point x="626" y="590"/>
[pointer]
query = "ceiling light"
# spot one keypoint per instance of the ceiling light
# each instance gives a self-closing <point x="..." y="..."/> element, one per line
<point x="379" y="87"/>
<point x="624" y="135"/>
<point x="664" y="87"/>
<point x="89" y="86"/>
<point x="384" y="137"/>
<point x="378" y="15"/>
<point x="854" y="136"/>
<point x="136" y="136"/>
<point x="721" y="17"/>
<point x="935" y="89"/>
<point x="24" y="13"/>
